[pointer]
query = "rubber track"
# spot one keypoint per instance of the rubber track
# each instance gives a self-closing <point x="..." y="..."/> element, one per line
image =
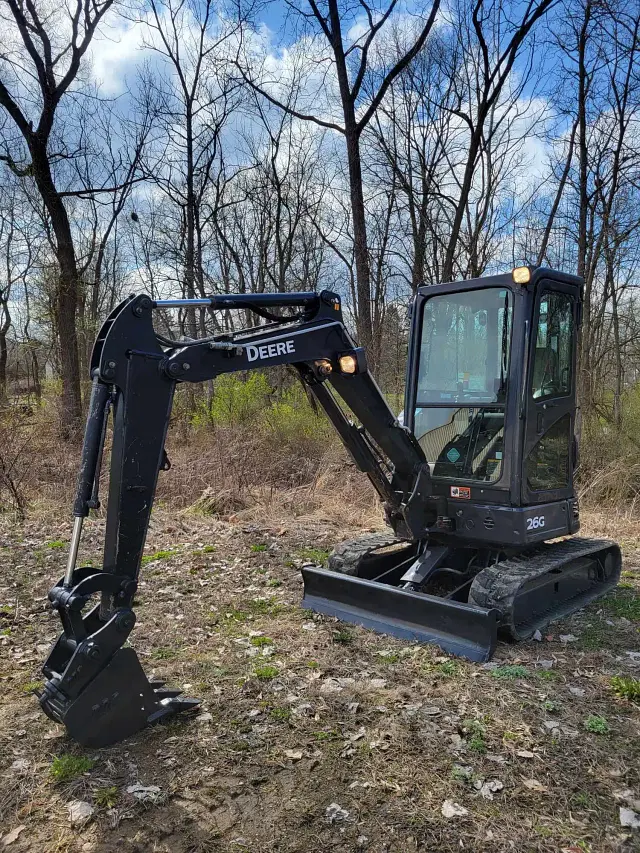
<point x="346" y="557"/>
<point x="498" y="585"/>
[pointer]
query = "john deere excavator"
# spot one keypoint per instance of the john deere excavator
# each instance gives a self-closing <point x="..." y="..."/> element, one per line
<point x="474" y="481"/>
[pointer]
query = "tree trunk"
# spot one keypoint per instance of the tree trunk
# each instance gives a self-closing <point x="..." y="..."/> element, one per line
<point x="35" y="368"/>
<point x="584" y="372"/>
<point x="4" y="328"/>
<point x="66" y="298"/>
<point x="190" y="252"/>
<point x="364" y="322"/>
<point x="465" y="189"/>
<point x="360" y="245"/>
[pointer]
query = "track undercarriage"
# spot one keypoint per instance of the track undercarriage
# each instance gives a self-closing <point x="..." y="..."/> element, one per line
<point x="460" y="598"/>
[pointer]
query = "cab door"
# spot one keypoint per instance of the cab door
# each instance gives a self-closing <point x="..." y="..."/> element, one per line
<point x="550" y="389"/>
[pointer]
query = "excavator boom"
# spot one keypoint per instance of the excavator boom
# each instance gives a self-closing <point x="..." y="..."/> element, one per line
<point x="95" y="686"/>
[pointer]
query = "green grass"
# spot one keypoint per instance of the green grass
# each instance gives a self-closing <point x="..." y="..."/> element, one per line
<point x="623" y="602"/>
<point x="106" y="797"/>
<point x="274" y="583"/>
<point x="206" y="549"/>
<point x="165" y="653"/>
<point x="313" y="555"/>
<point x="510" y="671"/>
<point x="260" y="641"/>
<point x="332" y="734"/>
<point x="258" y="549"/>
<point x="159" y="555"/>
<point x="597" y="725"/>
<point x="595" y="636"/>
<point x="581" y="799"/>
<point x="266" y="672"/>
<point x="390" y="657"/>
<point x="5" y="632"/>
<point x="264" y="607"/>
<point x="475" y="733"/>
<point x="282" y="715"/>
<point x="30" y="686"/>
<point x="478" y="744"/>
<point x="55" y="543"/>
<point x="66" y="767"/>
<point x="343" y="636"/>
<point x="257" y="607"/>
<point x="626" y="687"/>
<point x="460" y="775"/>
<point x="450" y="668"/>
<point x="547" y="675"/>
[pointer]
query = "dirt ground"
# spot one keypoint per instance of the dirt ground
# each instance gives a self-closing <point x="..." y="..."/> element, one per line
<point x="313" y="736"/>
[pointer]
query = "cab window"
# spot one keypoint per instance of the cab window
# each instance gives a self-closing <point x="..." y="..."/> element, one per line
<point x="553" y="357"/>
<point x="463" y="382"/>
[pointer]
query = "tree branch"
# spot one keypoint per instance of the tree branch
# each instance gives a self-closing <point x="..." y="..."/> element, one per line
<point x="399" y="67"/>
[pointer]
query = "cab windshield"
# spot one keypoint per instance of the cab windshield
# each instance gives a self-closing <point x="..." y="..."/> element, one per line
<point x="462" y="383"/>
<point x="464" y="352"/>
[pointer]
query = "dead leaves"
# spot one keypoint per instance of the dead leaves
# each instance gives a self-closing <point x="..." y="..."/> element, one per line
<point x="534" y="785"/>
<point x="449" y="809"/>
<point x="489" y="788"/>
<point x="12" y="836"/>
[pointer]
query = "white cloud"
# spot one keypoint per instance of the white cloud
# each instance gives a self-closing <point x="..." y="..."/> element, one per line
<point x="116" y="51"/>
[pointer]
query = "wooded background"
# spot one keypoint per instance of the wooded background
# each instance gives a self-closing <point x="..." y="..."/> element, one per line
<point x="185" y="147"/>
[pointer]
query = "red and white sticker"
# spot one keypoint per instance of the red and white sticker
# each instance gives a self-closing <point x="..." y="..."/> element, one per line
<point x="462" y="492"/>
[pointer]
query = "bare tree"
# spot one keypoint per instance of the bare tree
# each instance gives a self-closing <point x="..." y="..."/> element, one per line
<point x="18" y="254"/>
<point x="489" y="39"/>
<point x="194" y="100"/>
<point x="411" y="142"/>
<point x="328" y="21"/>
<point x="46" y="59"/>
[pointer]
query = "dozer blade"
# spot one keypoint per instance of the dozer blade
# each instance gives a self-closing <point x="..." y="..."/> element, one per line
<point x="460" y="629"/>
<point x="116" y="704"/>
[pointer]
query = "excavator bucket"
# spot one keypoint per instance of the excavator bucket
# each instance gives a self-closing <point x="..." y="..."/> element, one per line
<point x="116" y="704"/>
<point x="94" y="687"/>
<point x="458" y="628"/>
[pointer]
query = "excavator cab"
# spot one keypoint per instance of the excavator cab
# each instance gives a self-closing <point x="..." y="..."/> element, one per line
<point x="491" y="399"/>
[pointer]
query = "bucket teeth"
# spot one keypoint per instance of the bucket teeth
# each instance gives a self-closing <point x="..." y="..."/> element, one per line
<point x="165" y="693"/>
<point x="170" y="706"/>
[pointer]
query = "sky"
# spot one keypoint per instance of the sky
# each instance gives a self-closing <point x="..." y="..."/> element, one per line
<point x="118" y="55"/>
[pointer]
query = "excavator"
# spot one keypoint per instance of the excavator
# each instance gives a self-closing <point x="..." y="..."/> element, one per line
<point x="476" y="477"/>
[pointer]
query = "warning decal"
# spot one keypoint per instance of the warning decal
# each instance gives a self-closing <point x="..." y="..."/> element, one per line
<point x="462" y="492"/>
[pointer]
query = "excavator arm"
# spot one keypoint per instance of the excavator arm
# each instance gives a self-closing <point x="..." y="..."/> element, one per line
<point x="95" y="686"/>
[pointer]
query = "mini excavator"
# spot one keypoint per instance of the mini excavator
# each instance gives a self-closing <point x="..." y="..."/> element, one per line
<point x="476" y="477"/>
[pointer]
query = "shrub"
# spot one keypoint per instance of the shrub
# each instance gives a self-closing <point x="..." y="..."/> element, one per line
<point x="236" y="400"/>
